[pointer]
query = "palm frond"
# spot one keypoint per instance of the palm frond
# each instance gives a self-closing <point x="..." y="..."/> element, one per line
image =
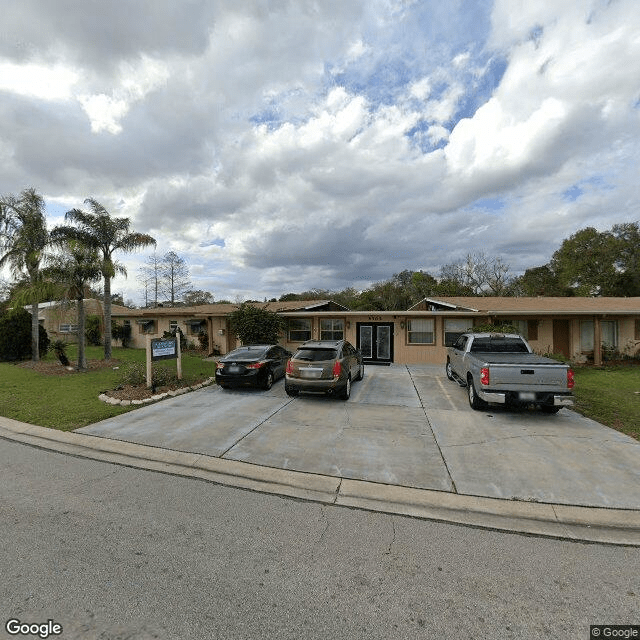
<point x="96" y="207"/>
<point x="134" y="241"/>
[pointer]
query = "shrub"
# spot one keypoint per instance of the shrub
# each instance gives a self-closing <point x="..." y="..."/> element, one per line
<point x="121" y="332"/>
<point x="15" y="336"/>
<point x="60" y="349"/>
<point x="495" y="328"/>
<point x="136" y="374"/>
<point x="92" y="330"/>
<point x="183" y="340"/>
<point x="203" y="339"/>
<point x="256" y="326"/>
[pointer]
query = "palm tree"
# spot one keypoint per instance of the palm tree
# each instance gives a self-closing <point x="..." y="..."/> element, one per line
<point x="107" y="235"/>
<point x="23" y="242"/>
<point x="75" y="269"/>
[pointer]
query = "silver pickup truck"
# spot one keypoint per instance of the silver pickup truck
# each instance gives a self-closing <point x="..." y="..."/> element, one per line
<point x="502" y="368"/>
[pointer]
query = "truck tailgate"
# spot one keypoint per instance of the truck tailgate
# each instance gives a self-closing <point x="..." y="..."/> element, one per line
<point x="532" y="376"/>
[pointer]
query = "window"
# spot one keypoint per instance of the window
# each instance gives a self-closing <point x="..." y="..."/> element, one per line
<point x="68" y="328"/>
<point x="331" y="329"/>
<point x="461" y="343"/>
<point x="498" y="345"/>
<point x="637" y="330"/>
<point x="454" y="328"/>
<point x="146" y="326"/>
<point x="522" y="327"/>
<point x="194" y="327"/>
<point x="609" y="330"/>
<point x="420" y="331"/>
<point x="316" y="355"/>
<point x="608" y="334"/>
<point x="299" y="329"/>
<point x="586" y="335"/>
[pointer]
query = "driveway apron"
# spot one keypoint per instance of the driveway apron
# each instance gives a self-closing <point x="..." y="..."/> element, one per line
<point x="404" y="425"/>
<point x="521" y="454"/>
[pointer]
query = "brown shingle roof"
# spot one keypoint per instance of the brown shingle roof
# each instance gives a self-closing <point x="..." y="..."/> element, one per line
<point x="224" y="309"/>
<point x="543" y="305"/>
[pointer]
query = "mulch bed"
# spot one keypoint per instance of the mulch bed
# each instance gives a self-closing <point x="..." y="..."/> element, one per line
<point x="141" y="392"/>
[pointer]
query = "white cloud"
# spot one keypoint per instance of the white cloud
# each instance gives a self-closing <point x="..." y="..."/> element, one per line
<point x="38" y="80"/>
<point x="135" y="81"/>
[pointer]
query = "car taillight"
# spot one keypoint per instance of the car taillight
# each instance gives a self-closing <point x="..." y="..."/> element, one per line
<point x="484" y="376"/>
<point x="220" y="365"/>
<point x="256" y="365"/>
<point x="289" y="367"/>
<point x="570" y="379"/>
<point x="337" y="369"/>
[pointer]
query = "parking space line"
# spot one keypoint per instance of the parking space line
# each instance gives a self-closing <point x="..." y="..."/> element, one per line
<point x="224" y="453"/>
<point x="433" y="434"/>
<point x="447" y="396"/>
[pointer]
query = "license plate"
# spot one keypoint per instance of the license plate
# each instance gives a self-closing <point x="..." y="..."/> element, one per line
<point x="310" y="373"/>
<point x="233" y="369"/>
<point x="527" y="396"/>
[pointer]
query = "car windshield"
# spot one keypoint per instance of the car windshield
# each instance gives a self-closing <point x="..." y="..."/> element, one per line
<point x="316" y="355"/>
<point x="246" y="353"/>
<point x="498" y="345"/>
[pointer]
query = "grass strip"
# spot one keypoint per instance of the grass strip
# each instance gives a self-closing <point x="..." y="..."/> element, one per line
<point x="68" y="402"/>
<point x="611" y="396"/>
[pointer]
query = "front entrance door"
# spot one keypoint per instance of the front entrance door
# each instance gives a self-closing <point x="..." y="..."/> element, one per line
<point x="561" y="337"/>
<point x="375" y="341"/>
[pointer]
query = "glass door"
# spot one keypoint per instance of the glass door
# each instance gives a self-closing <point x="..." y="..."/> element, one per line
<point x="375" y="341"/>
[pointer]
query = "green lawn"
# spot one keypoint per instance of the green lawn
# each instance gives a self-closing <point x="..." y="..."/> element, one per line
<point x="71" y="401"/>
<point x="611" y="396"/>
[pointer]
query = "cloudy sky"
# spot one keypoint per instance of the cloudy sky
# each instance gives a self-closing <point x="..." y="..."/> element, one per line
<point x="282" y="145"/>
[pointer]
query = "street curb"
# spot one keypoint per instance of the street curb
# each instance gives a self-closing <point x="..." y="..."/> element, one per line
<point x="575" y="523"/>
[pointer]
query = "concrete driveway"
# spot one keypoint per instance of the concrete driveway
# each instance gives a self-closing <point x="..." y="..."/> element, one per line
<point x="404" y="425"/>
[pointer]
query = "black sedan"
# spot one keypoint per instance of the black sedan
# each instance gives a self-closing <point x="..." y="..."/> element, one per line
<point x="256" y="364"/>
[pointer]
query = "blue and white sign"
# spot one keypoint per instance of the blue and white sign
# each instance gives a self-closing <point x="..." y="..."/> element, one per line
<point x="164" y="349"/>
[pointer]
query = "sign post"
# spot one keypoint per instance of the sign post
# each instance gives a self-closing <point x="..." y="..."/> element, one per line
<point x="162" y="349"/>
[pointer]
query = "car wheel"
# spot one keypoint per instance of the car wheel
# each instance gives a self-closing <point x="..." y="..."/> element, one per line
<point x="268" y="381"/>
<point x="474" y="400"/>
<point x="291" y="392"/>
<point x="360" y="373"/>
<point x="449" y="370"/>
<point x="346" y="393"/>
<point x="549" y="408"/>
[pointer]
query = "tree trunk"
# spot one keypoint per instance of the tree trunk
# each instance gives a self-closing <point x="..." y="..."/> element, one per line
<point x="82" y="357"/>
<point x="35" y="333"/>
<point x="107" y="318"/>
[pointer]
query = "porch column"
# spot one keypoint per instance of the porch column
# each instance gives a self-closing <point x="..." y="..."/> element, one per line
<point x="597" y="341"/>
<point x="210" y="333"/>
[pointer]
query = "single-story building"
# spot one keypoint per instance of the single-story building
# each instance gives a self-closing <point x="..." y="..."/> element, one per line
<point x="421" y="334"/>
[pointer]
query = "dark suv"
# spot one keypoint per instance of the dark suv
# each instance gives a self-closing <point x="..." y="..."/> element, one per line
<point x="327" y="366"/>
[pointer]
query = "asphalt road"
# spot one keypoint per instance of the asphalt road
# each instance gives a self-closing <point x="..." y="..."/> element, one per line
<point x="113" y="552"/>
